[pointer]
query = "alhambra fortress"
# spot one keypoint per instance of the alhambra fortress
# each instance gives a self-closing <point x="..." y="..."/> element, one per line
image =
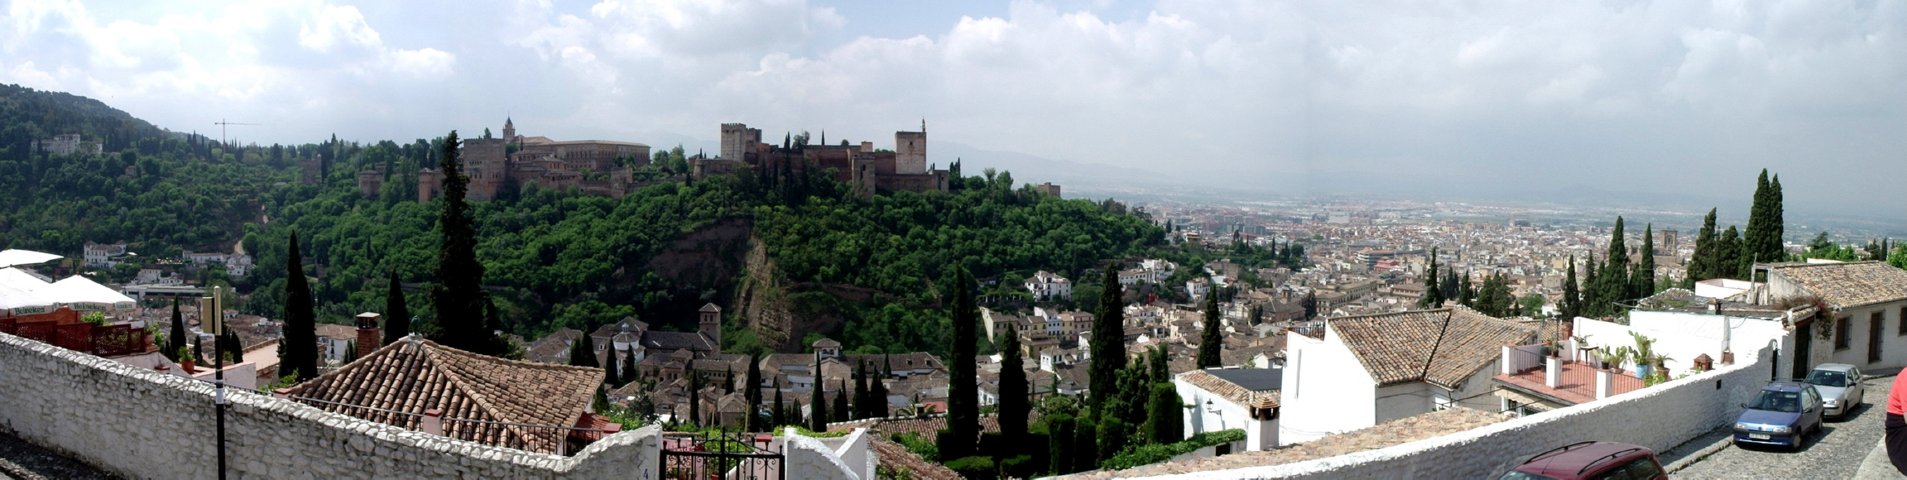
<point x="601" y="167"/>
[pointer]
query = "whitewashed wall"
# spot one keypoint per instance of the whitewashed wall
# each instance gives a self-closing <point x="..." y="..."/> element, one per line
<point x="139" y="423"/>
<point x="1660" y="418"/>
<point x="1325" y="390"/>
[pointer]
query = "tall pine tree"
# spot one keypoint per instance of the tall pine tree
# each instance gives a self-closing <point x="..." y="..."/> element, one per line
<point x="458" y="297"/>
<point x="397" y="313"/>
<point x="841" y="407"/>
<point x="1108" y="348"/>
<point x="1572" y="301"/>
<point x="1433" y="293"/>
<point x="175" y="337"/>
<point x="582" y="353"/>
<point x="1762" y="241"/>
<point x="1614" y="276"/>
<point x="1642" y="284"/>
<point x="751" y="391"/>
<point x="963" y="396"/>
<point x="1014" y="404"/>
<point x="1593" y="302"/>
<point x="817" y="400"/>
<point x="299" y="355"/>
<point x="1728" y="254"/>
<point x="1210" y="340"/>
<point x="1702" y="265"/>
<point x="695" y="398"/>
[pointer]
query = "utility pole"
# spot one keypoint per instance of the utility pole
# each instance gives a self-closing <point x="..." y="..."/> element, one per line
<point x="217" y="304"/>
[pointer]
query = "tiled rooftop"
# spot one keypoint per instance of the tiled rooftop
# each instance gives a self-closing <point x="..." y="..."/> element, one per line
<point x="477" y="395"/>
<point x="1442" y="346"/>
<point x="1229" y="390"/>
<point x="1848" y="284"/>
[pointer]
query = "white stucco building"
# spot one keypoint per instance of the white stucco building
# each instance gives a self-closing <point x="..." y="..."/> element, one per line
<point x="1369" y="369"/>
<point x="1228" y="398"/>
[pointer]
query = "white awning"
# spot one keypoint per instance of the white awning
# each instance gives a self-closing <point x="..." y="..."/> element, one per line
<point x="13" y="257"/>
<point x="78" y="290"/>
<point x="19" y="289"/>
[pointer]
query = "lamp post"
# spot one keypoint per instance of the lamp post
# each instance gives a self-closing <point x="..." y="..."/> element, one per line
<point x="216" y="305"/>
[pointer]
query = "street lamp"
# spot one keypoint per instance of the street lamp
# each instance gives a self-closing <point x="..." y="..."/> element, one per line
<point x="216" y="305"/>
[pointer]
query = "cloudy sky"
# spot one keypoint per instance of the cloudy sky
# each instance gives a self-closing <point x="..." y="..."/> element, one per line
<point x="1415" y="97"/>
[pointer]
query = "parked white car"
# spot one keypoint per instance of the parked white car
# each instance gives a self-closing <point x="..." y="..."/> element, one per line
<point x="1840" y="387"/>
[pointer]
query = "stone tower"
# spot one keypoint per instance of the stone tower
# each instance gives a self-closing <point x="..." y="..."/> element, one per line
<point x="910" y="151"/>
<point x="509" y="131"/>
<point x="711" y="325"/>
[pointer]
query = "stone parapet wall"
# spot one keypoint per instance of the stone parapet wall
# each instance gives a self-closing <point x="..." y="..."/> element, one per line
<point x="1659" y="417"/>
<point x="808" y="458"/>
<point x="143" y="424"/>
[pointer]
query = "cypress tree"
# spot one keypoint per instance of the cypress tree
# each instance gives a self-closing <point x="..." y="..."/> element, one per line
<point x="1761" y="242"/>
<point x="299" y="357"/>
<point x="751" y="390"/>
<point x="817" y="402"/>
<point x="1209" y="339"/>
<point x="1085" y="444"/>
<point x="1108" y="349"/>
<point x="1702" y="265"/>
<point x="1466" y="293"/>
<point x="1453" y="286"/>
<point x="1614" y="285"/>
<point x="611" y="376"/>
<point x="235" y="348"/>
<point x="1165" y="417"/>
<point x="629" y="371"/>
<point x="841" y="402"/>
<point x="1728" y="253"/>
<point x="780" y="410"/>
<point x="860" y="390"/>
<point x="1572" y="301"/>
<point x="1433" y="293"/>
<point x="1592" y="296"/>
<point x="963" y="397"/>
<point x="695" y="399"/>
<point x="458" y="297"/>
<point x="1014" y="404"/>
<point x="1644" y="283"/>
<point x="397" y="313"/>
<point x="583" y="352"/>
<point x="877" y="390"/>
<point x="1059" y="436"/>
<point x="175" y="337"/>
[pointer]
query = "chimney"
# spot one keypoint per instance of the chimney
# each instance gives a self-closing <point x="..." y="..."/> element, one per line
<point x="1553" y="372"/>
<point x="433" y="422"/>
<point x="1507" y="361"/>
<point x="369" y="337"/>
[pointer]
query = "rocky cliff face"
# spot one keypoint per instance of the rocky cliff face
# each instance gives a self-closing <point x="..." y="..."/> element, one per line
<point x="760" y="302"/>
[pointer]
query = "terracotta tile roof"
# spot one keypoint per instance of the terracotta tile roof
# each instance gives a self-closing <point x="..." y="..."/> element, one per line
<point x="1850" y="284"/>
<point x="553" y="348"/>
<point x="1442" y="346"/>
<point x="1265" y="398"/>
<point x="336" y="331"/>
<point x="396" y="384"/>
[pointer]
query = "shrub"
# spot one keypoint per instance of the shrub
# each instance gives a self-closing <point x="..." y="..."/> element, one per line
<point x="917" y="445"/>
<point x="1155" y="453"/>
<point x="975" y="467"/>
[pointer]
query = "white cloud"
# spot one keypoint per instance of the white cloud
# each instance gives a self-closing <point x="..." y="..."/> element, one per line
<point x="333" y="25"/>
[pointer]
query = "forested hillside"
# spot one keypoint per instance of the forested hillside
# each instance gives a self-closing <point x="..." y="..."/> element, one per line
<point x="552" y="259"/>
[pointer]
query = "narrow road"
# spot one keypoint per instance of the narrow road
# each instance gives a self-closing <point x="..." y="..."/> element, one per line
<point x="1836" y="452"/>
<point x="26" y="461"/>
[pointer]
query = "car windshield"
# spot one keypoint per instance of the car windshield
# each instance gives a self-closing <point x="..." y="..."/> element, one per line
<point x="1777" y="401"/>
<point x="1827" y="378"/>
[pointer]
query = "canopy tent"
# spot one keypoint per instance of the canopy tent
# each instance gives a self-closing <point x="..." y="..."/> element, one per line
<point x="19" y="289"/>
<point x="78" y="290"/>
<point x="21" y="292"/>
<point x="12" y="257"/>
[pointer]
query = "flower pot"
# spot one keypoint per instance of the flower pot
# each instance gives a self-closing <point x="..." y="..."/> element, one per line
<point x="1642" y="371"/>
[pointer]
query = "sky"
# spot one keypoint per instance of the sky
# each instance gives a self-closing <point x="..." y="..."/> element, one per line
<point x="1467" y="99"/>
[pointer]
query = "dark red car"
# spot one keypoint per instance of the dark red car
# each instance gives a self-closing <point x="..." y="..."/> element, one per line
<point x="1590" y="461"/>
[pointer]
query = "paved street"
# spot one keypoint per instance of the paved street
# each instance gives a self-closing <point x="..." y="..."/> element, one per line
<point x="1836" y="452"/>
<point x="25" y="461"/>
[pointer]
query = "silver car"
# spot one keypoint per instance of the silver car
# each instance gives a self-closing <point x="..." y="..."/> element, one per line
<point x="1840" y="387"/>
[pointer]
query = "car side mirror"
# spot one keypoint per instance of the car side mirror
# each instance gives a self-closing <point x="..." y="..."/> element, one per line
<point x="1744" y="404"/>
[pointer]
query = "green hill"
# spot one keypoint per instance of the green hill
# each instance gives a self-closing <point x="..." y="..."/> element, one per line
<point x="869" y="272"/>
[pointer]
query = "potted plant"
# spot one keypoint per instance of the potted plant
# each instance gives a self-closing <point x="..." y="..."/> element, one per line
<point x="1644" y="355"/>
<point x="1612" y="358"/>
<point x="185" y="359"/>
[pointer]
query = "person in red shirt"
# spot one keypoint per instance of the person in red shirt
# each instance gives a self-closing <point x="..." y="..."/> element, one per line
<point x="1896" y="425"/>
